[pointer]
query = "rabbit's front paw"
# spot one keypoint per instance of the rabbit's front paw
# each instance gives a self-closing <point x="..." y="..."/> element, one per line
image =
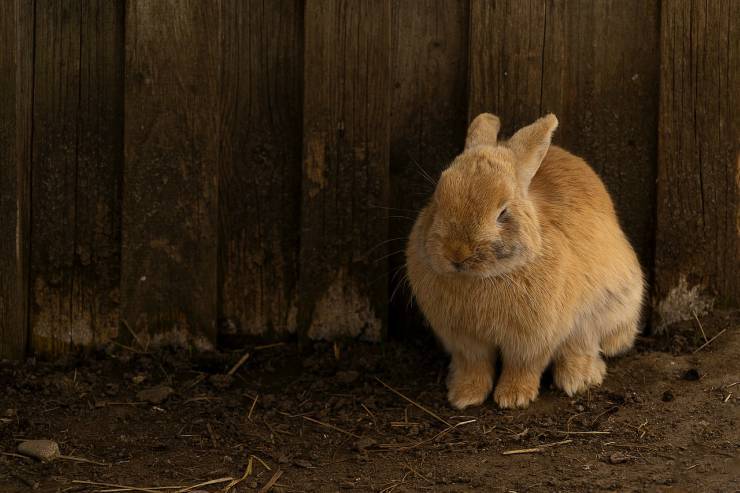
<point x="576" y="374"/>
<point x="516" y="392"/>
<point x="469" y="389"/>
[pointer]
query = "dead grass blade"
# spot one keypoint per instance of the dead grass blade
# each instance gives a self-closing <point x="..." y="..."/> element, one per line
<point x="430" y="413"/>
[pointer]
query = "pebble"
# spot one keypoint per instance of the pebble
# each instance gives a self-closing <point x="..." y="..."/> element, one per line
<point x="618" y="458"/>
<point x="43" y="450"/>
<point x="303" y="463"/>
<point x="365" y="443"/>
<point x="155" y="395"/>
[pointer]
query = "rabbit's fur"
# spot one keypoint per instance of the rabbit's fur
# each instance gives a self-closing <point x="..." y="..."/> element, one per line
<point x="520" y="254"/>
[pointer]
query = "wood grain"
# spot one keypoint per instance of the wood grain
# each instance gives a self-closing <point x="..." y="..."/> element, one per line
<point x="345" y="168"/>
<point x="170" y="184"/>
<point x="595" y="65"/>
<point x="260" y="174"/>
<point x="428" y="121"/>
<point x="77" y="154"/>
<point x="698" y="247"/>
<point x="16" y="69"/>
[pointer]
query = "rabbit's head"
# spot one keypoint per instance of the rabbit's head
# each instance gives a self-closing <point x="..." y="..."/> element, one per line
<point x="482" y="221"/>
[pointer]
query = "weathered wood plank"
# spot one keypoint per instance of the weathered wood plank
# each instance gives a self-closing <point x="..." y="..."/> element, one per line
<point x="429" y="115"/>
<point x="594" y="64"/>
<point x="77" y="154"/>
<point x="260" y="173"/>
<point x="171" y="149"/>
<point x="698" y="247"/>
<point x="345" y="168"/>
<point x="16" y="59"/>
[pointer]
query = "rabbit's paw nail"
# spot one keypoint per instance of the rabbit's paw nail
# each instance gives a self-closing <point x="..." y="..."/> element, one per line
<point x="573" y="379"/>
<point x="462" y="396"/>
<point x="513" y="396"/>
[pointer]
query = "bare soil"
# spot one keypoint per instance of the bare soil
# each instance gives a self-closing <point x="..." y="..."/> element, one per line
<point x="334" y="417"/>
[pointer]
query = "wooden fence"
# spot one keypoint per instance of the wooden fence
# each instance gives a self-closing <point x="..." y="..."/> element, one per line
<point x="183" y="169"/>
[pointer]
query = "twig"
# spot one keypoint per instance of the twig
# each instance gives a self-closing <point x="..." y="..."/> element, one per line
<point x="80" y="459"/>
<point x="371" y="415"/>
<point x="246" y="474"/>
<point x="418" y="474"/>
<point x="268" y="346"/>
<point x="438" y="435"/>
<point x="134" y="335"/>
<point x="251" y="409"/>
<point x="536" y="449"/>
<point x="413" y="402"/>
<point x="327" y="425"/>
<point x="160" y="488"/>
<point x="700" y="326"/>
<point x="583" y="432"/>
<point x="239" y="363"/>
<point x="264" y="464"/>
<point x="274" y="479"/>
<point x="11" y="454"/>
<point x="709" y="341"/>
<point x="608" y="410"/>
<point x="206" y="483"/>
<point x="122" y="487"/>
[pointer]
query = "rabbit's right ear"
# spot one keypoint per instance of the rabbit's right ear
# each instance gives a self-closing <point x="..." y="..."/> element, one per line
<point x="529" y="145"/>
<point x="483" y="130"/>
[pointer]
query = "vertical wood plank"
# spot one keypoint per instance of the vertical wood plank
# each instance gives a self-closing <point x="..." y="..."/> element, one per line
<point x="698" y="246"/>
<point x="345" y="167"/>
<point x="260" y="173"/>
<point x="506" y="58"/>
<point x="428" y="120"/>
<point x="171" y="149"/>
<point x="595" y="65"/>
<point x="16" y="100"/>
<point x="77" y="154"/>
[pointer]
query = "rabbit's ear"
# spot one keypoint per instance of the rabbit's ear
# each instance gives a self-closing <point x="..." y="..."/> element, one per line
<point x="529" y="145"/>
<point x="483" y="130"/>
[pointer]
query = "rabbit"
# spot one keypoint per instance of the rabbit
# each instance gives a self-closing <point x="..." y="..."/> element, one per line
<point x="519" y="255"/>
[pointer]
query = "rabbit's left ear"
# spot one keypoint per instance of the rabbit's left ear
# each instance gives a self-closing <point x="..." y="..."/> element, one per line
<point x="483" y="130"/>
<point x="529" y="145"/>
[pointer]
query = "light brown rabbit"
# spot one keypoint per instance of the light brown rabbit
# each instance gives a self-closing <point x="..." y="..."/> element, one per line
<point x="520" y="253"/>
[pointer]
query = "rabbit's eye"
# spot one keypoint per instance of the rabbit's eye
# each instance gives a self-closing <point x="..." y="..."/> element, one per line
<point x="502" y="215"/>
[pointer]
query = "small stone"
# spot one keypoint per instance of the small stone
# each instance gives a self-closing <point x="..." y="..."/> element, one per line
<point x="667" y="396"/>
<point x="347" y="376"/>
<point x="43" y="450"/>
<point x="365" y="443"/>
<point x="618" y="458"/>
<point x="137" y="379"/>
<point x="691" y="375"/>
<point x="155" y="395"/>
<point x="303" y="463"/>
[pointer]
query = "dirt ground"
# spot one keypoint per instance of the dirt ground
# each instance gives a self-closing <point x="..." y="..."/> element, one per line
<point x="341" y="417"/>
